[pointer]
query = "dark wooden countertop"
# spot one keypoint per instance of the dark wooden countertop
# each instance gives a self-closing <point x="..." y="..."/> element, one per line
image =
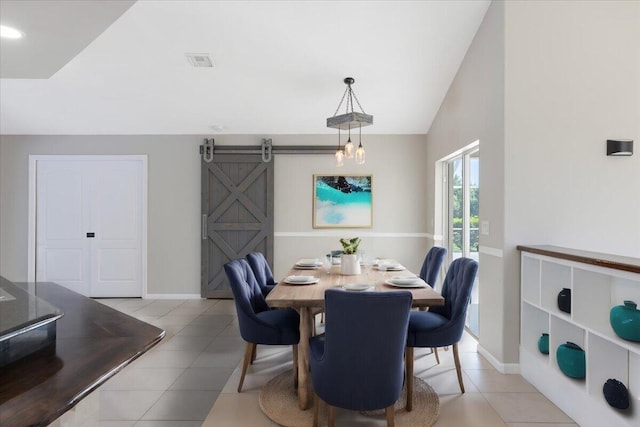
<point x="93" y="343"/>
<point x="594" y="258"/>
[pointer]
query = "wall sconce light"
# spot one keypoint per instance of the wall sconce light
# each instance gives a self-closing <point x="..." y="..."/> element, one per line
<point x="619" y="147"/>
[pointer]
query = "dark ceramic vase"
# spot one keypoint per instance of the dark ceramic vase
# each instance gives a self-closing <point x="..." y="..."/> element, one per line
<point x="543" y="344"/>
<point x="564" y="300"/>
<point x="616" y="394"/>
<point x="571" y="360"/>
<point x="625" y="321"/>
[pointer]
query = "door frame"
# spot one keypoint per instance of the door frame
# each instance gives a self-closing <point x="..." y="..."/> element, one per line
<point x="442" y="210"/>
<point x="32" y="204"/>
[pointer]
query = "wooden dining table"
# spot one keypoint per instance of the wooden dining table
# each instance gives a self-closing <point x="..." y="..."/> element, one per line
<point x="307" y="298"/>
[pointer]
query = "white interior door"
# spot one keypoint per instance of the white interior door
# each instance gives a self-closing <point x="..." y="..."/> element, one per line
<point x="62" y="216"/>
<point x="89" y="226"/>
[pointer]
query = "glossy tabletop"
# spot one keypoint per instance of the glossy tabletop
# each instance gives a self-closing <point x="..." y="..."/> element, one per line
<point x="21" y="311"/>
<point x="93" y="343"/>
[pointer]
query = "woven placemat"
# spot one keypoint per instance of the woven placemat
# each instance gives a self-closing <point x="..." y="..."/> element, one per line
<point x="279" y="401"/>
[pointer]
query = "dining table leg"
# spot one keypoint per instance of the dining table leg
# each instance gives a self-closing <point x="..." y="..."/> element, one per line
<point x="303" y="358"/>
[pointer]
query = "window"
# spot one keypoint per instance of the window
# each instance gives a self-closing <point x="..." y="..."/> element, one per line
<point x="461" y="204"/>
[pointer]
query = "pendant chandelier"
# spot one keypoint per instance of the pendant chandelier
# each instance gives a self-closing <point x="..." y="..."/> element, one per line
<point x="350" y="119"/>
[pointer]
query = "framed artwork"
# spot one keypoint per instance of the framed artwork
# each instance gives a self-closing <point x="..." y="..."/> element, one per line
<point x="342" y="201"/>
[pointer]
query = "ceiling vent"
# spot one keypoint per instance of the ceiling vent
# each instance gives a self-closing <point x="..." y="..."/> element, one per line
<point x="199" y="59"/>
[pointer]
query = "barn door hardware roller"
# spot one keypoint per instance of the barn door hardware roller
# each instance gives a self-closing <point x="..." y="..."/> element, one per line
<point x="206" y="150"/>
<point x="266" y="149"/>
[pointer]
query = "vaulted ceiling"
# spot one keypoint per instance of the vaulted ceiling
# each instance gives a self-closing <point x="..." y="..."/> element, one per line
<point x="119" y="67"/>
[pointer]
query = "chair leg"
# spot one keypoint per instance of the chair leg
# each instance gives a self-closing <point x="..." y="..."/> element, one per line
<point x="435" y="351"/>
<point x="457" y="361"/>
<point x="331" y="416"/>
<point x="295" y="365"/>
<point x="249" y="349"/>
<point x="316" y="409"/>
<point x="254" y="353"/>
<point x="390" y="411"/>
<point x="408" y="363"/>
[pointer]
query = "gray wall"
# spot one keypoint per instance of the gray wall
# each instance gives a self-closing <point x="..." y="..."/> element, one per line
<point x="396" y="163"/>
<point x="399" y="201"/>
<point x="474" y="110"/>
<point x="542" y="87"/>
<point x="173" y="201"/>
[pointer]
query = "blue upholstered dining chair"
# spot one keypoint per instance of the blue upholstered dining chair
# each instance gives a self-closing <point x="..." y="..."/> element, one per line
<point x="429" y="273"/>
<point x="432" y="264"/>
<point x="357" y="364"/>
<point x="261" y="271"/>
<point x="259" y="324"/>
<point x="442" y="325"/>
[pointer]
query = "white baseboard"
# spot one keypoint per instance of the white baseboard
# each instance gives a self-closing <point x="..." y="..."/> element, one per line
<point x="503" y="368"/>
<point x="172" y="296"/>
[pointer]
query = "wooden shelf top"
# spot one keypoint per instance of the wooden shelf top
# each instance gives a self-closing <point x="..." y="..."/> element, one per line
<point x="615" y="262"/>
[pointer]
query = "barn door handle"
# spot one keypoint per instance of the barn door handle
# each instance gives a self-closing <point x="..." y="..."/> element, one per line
<point x="204" y="226"/>
<point x="91" y="235"/>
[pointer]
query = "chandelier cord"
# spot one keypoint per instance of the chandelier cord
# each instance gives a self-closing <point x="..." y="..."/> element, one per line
<point x="361" y="109"/>
<point x="341" y="101"/>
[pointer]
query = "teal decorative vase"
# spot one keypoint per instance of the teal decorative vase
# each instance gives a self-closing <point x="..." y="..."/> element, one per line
<point x="571" y="360"/>
<point x="543" y="344"/>
<point x="625" y="321"/>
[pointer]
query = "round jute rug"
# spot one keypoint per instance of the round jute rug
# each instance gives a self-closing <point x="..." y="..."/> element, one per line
<point x="279" y="401"/>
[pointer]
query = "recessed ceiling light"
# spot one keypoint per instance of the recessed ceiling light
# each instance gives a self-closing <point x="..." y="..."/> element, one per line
<point x="10" y="33"/>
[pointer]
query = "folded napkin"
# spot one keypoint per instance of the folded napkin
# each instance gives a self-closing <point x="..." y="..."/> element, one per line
<point x="300" y="278"/>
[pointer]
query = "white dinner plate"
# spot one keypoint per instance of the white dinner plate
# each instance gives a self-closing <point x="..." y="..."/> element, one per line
<point x="357" y="287"/>
<point x="308" y="262"/>
<point x="307" y="267"/>
<point x="405" y="280"/>
<point x="418" y="284"/>
<point x="396" y="267"/>
<point x="301" y="280"/>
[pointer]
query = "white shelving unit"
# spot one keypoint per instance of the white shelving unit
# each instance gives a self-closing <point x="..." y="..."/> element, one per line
<point x="595" y="289"/>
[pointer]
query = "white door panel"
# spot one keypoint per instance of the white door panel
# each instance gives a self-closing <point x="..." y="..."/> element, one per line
<point x="117" y="245"/>
<point x="63" y="203"/>
<point x="65" y="266"/>
<point x="62" y="250"/>
<point x="103" y="197"/>
<point x="118" y="197"/>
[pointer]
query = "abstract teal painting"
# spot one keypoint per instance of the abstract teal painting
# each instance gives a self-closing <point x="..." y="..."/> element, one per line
<point x="342" y="201"/>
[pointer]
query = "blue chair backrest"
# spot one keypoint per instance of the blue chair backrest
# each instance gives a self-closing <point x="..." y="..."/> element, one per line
<point x="431" y="265"/>
<point x="261" y="269"/>
<point x="364" y="345"/>
<point x="456" y="291"/>
<point x="246" y="294"/>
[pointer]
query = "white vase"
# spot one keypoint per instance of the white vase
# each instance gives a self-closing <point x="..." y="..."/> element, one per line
<point x="349" y="264"/>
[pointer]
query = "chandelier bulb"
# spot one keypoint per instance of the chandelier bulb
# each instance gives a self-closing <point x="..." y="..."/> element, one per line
<point x="349" y="148"/>
<point x="339" y="158"/>
<point x="360" y="155"/>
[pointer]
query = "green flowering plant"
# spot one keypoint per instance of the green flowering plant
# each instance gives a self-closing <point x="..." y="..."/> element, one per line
<point x="350" y="246"/>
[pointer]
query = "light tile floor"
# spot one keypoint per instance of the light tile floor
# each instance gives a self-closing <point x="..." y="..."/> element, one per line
<point x="190" y="378"/>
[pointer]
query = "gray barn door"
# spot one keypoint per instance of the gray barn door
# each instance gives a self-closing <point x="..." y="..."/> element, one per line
<point x="237" y="215"/>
